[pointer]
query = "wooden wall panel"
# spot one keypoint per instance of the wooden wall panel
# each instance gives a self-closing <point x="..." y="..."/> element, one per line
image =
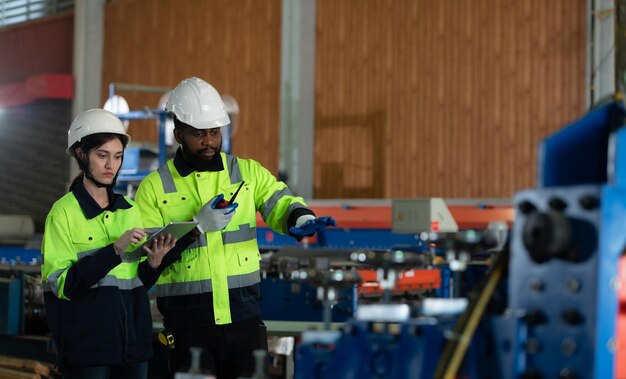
<point x="413" y="97"/>
<point x="442" y="98"/>
<point x="234" y="45"/>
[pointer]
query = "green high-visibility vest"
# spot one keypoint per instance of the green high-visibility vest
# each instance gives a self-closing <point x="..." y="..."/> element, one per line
<point x="221" y="260"/>
<point x="70" y="236"/>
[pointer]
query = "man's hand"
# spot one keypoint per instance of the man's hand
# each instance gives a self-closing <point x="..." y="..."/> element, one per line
<point x="307" y="226"/>
<point x="160" y="246"/>
<point x="211" y="219"/>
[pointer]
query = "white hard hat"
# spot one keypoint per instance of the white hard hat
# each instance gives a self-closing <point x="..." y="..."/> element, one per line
<point x="94" y="121"/>
<point x="196" y="103"/>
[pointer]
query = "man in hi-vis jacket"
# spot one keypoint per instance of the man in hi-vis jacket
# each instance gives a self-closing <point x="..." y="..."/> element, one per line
<point x="209" y="297"/>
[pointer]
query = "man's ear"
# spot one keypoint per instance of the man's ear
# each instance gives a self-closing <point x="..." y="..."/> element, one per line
<point x="178" y="135"/>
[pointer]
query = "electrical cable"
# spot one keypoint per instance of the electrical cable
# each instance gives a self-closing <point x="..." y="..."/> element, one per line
<point x="455" y="348"/>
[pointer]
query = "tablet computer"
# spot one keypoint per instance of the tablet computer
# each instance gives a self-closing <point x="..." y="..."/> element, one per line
<point x="176" y="229"/>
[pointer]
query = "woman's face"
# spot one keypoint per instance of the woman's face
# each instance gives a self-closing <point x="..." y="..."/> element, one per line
<point x="106" y="160"/>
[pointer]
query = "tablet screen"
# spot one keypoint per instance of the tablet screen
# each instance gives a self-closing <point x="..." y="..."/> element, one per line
<point x="176" y="229"/>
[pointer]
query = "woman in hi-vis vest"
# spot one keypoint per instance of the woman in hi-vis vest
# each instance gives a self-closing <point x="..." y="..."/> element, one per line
<point x="95" y="291"/>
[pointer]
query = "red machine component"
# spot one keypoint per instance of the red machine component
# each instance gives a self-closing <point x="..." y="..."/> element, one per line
<point x="410" y="280"/>
<point x="620" y="330"/>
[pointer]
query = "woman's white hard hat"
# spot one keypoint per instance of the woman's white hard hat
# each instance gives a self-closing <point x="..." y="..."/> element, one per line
<point x="94" y="121"/>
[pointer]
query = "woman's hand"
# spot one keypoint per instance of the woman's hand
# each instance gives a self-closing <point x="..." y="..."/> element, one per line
<point x="157" y="250"/>
<point x="133" y="235"/>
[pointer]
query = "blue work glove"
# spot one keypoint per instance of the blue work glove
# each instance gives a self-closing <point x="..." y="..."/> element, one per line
<point x="307" y="226"/>
<point x="211" y="218"/>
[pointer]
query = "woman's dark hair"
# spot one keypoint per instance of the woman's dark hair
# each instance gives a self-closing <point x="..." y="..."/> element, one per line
<point x="88" y="143"/>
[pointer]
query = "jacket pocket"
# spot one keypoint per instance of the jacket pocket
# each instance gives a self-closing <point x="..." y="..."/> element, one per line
<point x="177" y="206"/>
<point x="248" y="260"/>
<point x="88" y="241"/>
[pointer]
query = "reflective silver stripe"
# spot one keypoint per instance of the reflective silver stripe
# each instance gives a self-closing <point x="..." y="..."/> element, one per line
<point x="233" y="169"/>
<point x="87" y="253"/>
<point x="123" y="284"/>
<point x="245" y="233"/>
<point x="290" y="209"/>
<point x="244" y="280"/>
<point x="188" y="288"/>
<point x="167" y="179"/>
<point x="108" y="281"/>
<point x="199" y="242"/>
<point x="271" y="202"/>
<point x="202" y="286"/>
<point x="52" y="281"/>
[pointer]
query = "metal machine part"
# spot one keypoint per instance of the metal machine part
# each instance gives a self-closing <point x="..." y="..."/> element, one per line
<point x="407" y="349"/>
<point x="553" y="282"/>
<point x="21" y="298"/>
<point x="567" y="241"/>
<point x="328" y="284"/>
<point x="388" y="266"/>
<point x="308" y="285"/>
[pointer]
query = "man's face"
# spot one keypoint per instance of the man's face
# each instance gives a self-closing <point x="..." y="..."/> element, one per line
<point x="199" y="145"/>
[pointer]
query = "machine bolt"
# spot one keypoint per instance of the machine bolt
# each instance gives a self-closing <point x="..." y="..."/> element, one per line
<point x="568" y="346"/>
<point x="535" y="317"/>
<point x="572" y="317"/>
<point x="547" y="235"/>
<point x="573" y="285"/>
<point x="611" y="345"/>
<point x="589" y="202"/>
<point x="557" y="204"/>
<point x="532" y="346"/>
<point x="526" y="207"/>
<point x="536" y="284"/>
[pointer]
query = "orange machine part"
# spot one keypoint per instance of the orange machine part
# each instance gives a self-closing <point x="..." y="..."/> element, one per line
<point x="620" y="352"/>
<point x="410" y="280"/>
<point x="379" y="216"/>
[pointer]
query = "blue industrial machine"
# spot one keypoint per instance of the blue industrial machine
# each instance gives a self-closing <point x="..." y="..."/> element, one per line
<point x="568" y="238"/>
<point x="23" y="323"/>
<point x="402" y="350"/>
<point x="559" y="320"/>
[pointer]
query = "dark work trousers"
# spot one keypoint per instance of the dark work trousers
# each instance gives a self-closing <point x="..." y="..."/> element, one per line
<point x="226" y="349"/>
<point x="127" y="371"/>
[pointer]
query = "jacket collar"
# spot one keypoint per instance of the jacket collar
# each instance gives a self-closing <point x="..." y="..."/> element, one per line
<point x="185" y="169"/>
<point x="90" y="207"/>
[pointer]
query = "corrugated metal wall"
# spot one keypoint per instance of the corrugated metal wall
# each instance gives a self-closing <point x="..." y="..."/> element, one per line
<point x="234" y="45"/>
<point x="413" y="97"/>
<point x="35" y="169"/>
<point x="442" y="98"/>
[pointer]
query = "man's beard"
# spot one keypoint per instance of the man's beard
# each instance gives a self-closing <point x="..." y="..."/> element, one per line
<point x="200" y="163"/>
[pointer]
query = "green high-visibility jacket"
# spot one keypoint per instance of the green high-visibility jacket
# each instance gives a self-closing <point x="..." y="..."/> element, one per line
<point x="216" y="280"/>
<point x="97" y="306"/>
